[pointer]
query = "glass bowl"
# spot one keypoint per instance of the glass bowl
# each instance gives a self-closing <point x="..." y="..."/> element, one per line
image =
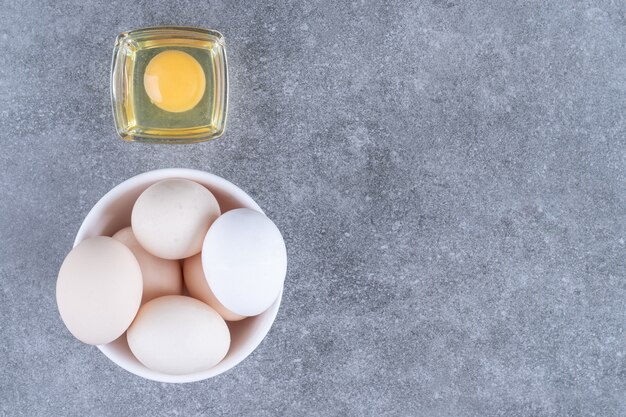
<point x="137" y="118"/>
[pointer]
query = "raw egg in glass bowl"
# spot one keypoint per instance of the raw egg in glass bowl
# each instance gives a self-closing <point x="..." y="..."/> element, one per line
<point x="169" y="85"/>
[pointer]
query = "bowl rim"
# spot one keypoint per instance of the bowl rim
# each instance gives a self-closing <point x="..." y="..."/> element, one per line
<point x="149" y="178"/>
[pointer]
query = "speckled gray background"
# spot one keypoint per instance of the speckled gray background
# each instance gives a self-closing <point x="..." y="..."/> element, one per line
<point x="449" y="179"/>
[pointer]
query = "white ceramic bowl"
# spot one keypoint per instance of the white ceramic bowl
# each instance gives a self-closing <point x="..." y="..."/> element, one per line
<point x="112" y="213"/>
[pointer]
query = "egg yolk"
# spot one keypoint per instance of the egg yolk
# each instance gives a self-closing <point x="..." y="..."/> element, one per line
<point x="174" y="81"/>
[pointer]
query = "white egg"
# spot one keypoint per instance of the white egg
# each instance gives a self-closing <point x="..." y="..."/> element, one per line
<point x="196" y="284"/>
<point x="160" y="276"/>
<point x="245" y="261"/>
<point x="178" y="335"/>
<point x="171" y="218"/>
<point x="99" y="290"/>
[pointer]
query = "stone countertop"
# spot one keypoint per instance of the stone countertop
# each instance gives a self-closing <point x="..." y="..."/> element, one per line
<point x="449" y="179"/>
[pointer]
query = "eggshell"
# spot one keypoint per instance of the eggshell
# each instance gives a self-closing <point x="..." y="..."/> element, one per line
<point x="171" y="218"/>
<point x="245" y="261"/>
<point x="177" y="335"/>
<point x="197" y="286"/>
<point x="160" y="276"/>
<point x="99" y="290"/>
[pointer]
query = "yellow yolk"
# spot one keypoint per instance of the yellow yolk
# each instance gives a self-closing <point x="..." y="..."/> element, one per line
<point x="174" y="81"/>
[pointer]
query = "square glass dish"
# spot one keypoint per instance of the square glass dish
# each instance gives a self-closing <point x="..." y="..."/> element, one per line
<point x="169" y="85"/>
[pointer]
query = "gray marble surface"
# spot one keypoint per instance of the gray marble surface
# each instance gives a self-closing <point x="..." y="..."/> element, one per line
<point x="449" y="177"/>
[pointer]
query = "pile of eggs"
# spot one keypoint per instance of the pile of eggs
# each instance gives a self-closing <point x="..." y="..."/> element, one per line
<point x="170" y="281"/>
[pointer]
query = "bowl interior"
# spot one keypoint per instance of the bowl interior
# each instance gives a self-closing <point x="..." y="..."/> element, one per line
<point x="113" y="213"/>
